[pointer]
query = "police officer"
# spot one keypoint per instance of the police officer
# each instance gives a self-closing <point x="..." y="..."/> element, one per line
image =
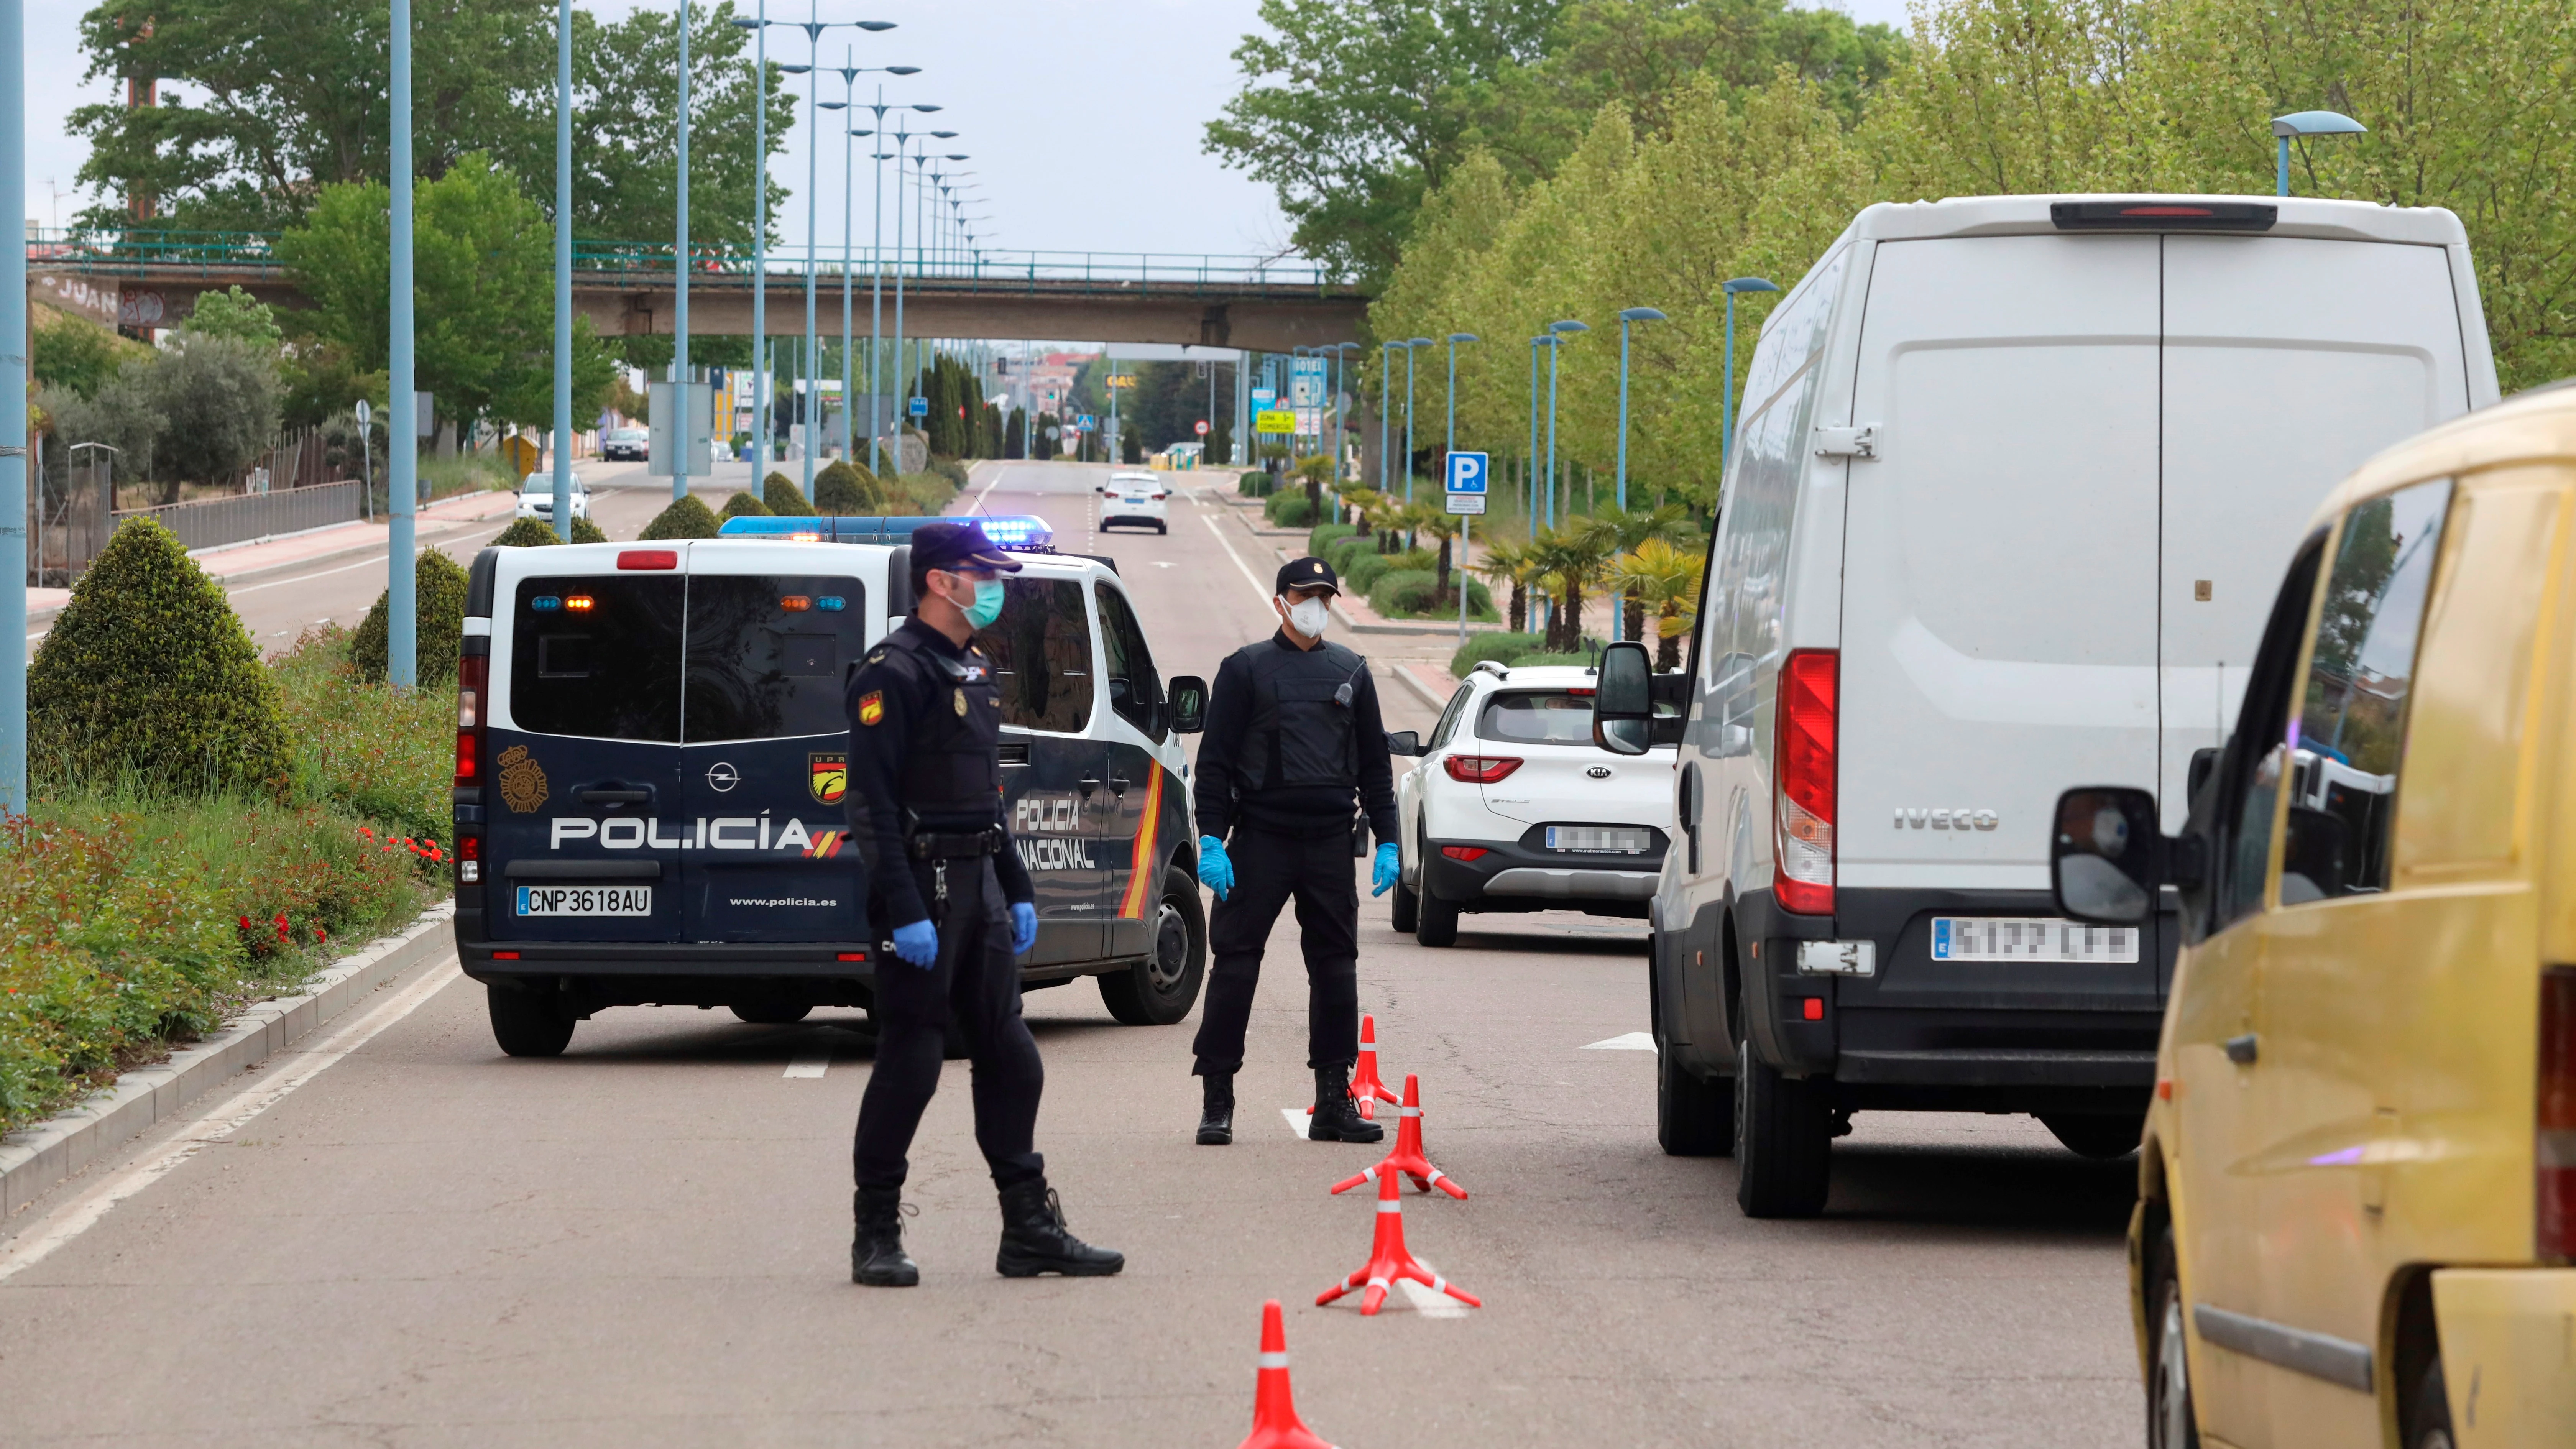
<point x="925" y="810"/>
<point x="1293" y="745"/>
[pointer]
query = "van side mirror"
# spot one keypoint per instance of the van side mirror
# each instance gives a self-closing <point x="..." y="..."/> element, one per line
<point x="2203" y="760"/>
<point x="1187" y="694"/>
<point x="2102" y="854"/>
<point x="1405" y="742"/>
<point x="1623" y="699"/>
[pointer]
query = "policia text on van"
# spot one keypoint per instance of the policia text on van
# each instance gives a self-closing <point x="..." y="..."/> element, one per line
<point x="651" y="763"/>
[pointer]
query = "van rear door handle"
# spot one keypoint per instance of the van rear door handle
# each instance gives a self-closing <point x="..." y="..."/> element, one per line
<point x="2242" y="1050"/>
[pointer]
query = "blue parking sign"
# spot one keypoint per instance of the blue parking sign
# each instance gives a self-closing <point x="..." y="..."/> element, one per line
<point x="1465" y="485"/>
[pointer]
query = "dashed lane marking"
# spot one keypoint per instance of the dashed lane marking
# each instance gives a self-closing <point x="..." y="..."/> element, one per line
<point x="1635" y="1041"/>
<point x="1297" y="1119"/>
<point x="810" y="1064"/>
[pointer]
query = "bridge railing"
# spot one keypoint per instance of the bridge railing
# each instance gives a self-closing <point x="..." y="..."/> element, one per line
<point x="232" y="254"/>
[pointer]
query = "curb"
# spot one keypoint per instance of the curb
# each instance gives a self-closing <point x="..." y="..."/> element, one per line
<point x="36" y="1158"/>
<point x="1421" y="691"/>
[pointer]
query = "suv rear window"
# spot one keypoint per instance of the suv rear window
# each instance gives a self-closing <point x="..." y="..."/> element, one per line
<point x="597" y="655"/>
<point x="1041" y="653"/>
<point x="767" y="655"/>
<point x="1537" y="717"/>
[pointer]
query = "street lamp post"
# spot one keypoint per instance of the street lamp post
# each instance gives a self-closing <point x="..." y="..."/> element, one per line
<point x="1341" y="416"/>
<point x="758" y="24"/>
<point x="1529" y="459"/>
<point x="1627" y="316"/>
<point x="402" y="500"/>
<point x="1726" y="404"/>
<point x="1559" y="331"/>
<point x="681" y="402"/>
<point x="903" y="138"/>
<point x="1411" y="346"/>
<point x="563" y="270"/>
<point x="1385" y="410"/>
<point x="849" y="83"/>
<point x="876" y="283"/>
<point x="2306" y="123"/>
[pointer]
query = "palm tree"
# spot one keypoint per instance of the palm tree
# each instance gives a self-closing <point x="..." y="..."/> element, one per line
<point x="1571" y="556"/>
<point x="1629" y="529"/>
<point x="1666" y="575"/>
<point x="1440" y="523"/>
<point x="1511" y="563"/>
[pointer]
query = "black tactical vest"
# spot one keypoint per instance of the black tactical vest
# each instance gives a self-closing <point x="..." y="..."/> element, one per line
<point x="953" y="775"/>
<point x="1301" y="716"/>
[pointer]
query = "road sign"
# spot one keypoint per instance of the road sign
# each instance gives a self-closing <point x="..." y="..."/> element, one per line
<point x="1262" y="398"/>
<point x="1086" y="422"/>
<point x="365" y="414"/>
<point x="921" y="407"/>
<point x="1201" y="425"/>
<point x="1274" y="420"/>
<point x="1465" y="484"/>
<point x="1306" y="382"/>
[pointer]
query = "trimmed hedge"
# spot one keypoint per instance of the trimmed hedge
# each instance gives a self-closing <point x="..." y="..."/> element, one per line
<point x="1288" y="510"/>
<point x="585" y="531"/>
<point x="1341" y="553"/>
<point x="1255" y="484"/>
<point x="1414" y="594"/>
<point x="781" y="494"/>
<point x="846" y="490"/>
<point x="952" y="470"/>
<point x="525" y="533"/>
<point x="1505" y="649"/>
<point x="438" y="615"/>
<point x="744" y="505"/>
<point x="686" y="518"/>
<point x="1324" y="536"/>
<point x="148" y="675"/>
<point x="1367" y="568"/>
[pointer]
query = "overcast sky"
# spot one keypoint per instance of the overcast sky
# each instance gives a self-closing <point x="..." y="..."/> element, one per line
<point x="1082" y="117"/>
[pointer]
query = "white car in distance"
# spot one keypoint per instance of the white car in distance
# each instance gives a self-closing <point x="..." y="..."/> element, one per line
<point x="537" y="497"/>
<point x="1134" y="498"/>
<point x="1512" y="808"/>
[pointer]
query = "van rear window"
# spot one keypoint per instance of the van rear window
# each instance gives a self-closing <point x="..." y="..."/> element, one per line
<point x="598" y="655"/>
<point x="768" y="655"/>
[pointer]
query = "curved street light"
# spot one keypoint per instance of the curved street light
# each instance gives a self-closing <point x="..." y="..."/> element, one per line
<point x="1726" y="404"/>
<point x="1559" y="331"/>
<point x="2306" y="123"/>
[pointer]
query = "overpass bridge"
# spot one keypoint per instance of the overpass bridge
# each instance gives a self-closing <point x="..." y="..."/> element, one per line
<point x="150" y="278"/>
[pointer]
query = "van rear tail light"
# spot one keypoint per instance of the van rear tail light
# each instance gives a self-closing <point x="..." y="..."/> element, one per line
<point x="469" y="859"/>
<point x="471" y="673"/>
<point x="1803" y="764"/>
<point x="1480" y="769"/>
<point x="2554" y="1150"/>
<point x="649" y="558"/>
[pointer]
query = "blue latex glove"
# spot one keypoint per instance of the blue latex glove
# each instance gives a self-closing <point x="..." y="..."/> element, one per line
<point x="1024" y="927"/>
<point x="1385" y="872"/>
<point x="1214" y="869"/>
<point x="918" y="944"/>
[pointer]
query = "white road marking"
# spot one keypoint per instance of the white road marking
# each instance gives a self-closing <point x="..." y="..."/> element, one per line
<point x="1228" y="545"/>
<point x="810" y="1064"/>
<point x="1297" y="1119"/>
<point x="979" y="502"/>
<point x="1635" y="1041"/>
<point x="1164" y="563"/>
<point x="219" y="1122"/>
<point x="1426" y="1302"/>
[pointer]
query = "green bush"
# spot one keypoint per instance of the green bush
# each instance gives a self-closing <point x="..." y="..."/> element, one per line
<point x="781" y="494"/>
<point x="845" y="490"/>
<point x="526" y="533"/>
<point x="687" y="518"/>
<point x="1414" y="594"/>
<point x="1504" y="649"/>
<point x="438" y="614"/>
<point x="922" y="494"/>
<point x="1255" y="484"/>
<point x="743" y="505"/>
<point x="1341" y="553"/>
<point x="1584" y="660"/>
<point x="953" y="471"/>
<point x="1368" y="567"/>
<point x="585" y="531"/>
<point x="1288" y="510"/>
<point x="1324" y="536"/>
<point x="381" y="755"/>
<point x="149" y="676"/>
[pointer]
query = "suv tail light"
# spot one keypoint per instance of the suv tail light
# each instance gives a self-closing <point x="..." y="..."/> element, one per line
<point x="1803" y="764"/>
<point x="2554" y="1147"/>
<point x="471" y="671"/>
<point x="1480" y="769"/>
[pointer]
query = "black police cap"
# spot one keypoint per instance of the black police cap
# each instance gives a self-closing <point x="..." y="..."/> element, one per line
<point x="956" y="547"/>
<point x="1307" y="573"/>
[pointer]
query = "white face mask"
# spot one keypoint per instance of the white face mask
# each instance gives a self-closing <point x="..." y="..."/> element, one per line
<point x="1309" y="616"/>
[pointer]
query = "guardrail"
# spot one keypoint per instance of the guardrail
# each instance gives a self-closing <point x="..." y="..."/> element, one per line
<point x="232" y="254"/>
<point x="213" y="522"/>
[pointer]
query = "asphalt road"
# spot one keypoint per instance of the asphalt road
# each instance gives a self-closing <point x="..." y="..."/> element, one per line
<point x="644" y="1242"/>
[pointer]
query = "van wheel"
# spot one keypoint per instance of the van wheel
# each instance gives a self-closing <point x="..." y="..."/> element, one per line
<point x="526" y="1023"/>
<point x="1694" y="1116"/>
<point x="1405" y="912"/>
<point x="770" y="1013"/>
<point x="1435" y="921"/>
<point x="2172" y="1421"/>
<point x="2428" y="1419"/>
<point x="2095" y="1136"/>
<point x="1783" y="1139"/>
<point x="1162" y="988"/>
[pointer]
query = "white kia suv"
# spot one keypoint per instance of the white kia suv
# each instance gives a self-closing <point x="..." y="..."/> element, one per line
<point x="1511" y="808"/>
<point x="1135" y="498"/>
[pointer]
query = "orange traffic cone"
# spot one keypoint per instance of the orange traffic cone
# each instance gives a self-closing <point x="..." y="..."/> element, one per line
<point x="1390" y="1260"/>
<point x="1275" y="1424"/>
<point x="1367" y="1088"/>
<point x="1407" y="1157"/>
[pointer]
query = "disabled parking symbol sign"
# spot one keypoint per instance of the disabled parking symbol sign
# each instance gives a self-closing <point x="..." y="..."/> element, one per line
<point x="1466" y="482"/>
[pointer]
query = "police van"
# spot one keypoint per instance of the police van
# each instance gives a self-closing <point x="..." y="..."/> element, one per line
<point x="651" y="753"/>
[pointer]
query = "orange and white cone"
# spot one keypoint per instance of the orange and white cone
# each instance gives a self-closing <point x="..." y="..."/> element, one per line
<point x="1407" y="1157"/>
<point x="1367" y="1088"/>
<point x="1390" y="1260"/>
<point x="1275" y="1424"/>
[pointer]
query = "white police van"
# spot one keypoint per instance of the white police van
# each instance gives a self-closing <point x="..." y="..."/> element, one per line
<point x="651" y="753"/>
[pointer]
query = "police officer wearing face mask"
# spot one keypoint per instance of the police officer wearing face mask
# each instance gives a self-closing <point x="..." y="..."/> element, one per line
<point x="925" y="811"/>
<point x="1293" y="744"/>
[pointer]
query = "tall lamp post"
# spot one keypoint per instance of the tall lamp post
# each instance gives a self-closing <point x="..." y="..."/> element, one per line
<point x="1341" y="416"/>
<point x="1726" y="404"/>
<point x="1558" y="331"/>
<point x="1529" y="459"/>
<point x="902" y="139"/>
<point x="758" y="24"/>
<point x="1410" y="346"/>
<point x="1385" y="410"/>
<point x="876" y="282"/>
<point x="849" y="84"/>
<point x="14" y="473"/>
<point x="402" y="487"/>
<point x="1627" y="316"/>
<point x="682" y="403"/>
<point x="2306" y="123"/>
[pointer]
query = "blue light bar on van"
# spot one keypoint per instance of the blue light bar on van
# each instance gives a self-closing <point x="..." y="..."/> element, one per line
<point x="1019" y="531"/>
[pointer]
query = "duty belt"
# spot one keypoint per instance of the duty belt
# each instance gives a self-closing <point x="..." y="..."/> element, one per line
<point x="948" y="845"/>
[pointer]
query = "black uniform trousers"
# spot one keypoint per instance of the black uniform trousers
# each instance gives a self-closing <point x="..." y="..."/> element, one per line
<point x="1269" y="868"/>
<point x="976" y="984"/>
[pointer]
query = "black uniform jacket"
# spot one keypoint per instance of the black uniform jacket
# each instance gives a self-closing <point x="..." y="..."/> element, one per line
<point x="925" y="729"/>
<point x="1248" y="774"/>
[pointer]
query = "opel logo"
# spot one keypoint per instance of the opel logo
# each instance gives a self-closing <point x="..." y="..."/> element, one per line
<point x="1599" y="772"/>
<point x="723" y="776"/>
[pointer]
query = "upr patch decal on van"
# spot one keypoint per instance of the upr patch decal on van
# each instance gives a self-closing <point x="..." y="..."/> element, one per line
<point x="721" y="832"/>
<point x="827" y="776"/>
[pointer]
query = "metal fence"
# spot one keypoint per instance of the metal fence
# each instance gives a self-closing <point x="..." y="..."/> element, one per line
<point x="213" y="522"/>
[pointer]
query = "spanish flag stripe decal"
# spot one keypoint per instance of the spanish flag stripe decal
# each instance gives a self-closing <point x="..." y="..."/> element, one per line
<point x="1140" y="866"/>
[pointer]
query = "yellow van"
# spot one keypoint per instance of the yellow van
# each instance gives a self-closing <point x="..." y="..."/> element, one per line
<point x="2357" y="1210"/>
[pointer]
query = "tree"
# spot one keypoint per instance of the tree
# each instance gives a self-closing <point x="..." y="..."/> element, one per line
<point x="78" y="356"/>
<point x="1663" y="575"/>
<point x="236" y="314"/>
<point x="218" y="401"/>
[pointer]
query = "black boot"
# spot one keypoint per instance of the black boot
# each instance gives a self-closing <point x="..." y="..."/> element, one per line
<point x="1337" y="1118"/>
<point x="1216" y="1110"/>
<point x="1034" y="1240"/>
<point x="877" y="1258"/>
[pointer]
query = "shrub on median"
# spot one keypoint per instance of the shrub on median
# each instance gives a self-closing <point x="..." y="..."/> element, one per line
<point x="847" y="490"/>
<point x="743" y="505"/>
<point x="778" y="491"/>
<point x="527" y="533"/>
<point x="438" y="608"/>
<point x="687" y="518"/>
<point x="1415" y="594"/>
<point x="1288" y="510"/>
<point x="1324" y="536"/>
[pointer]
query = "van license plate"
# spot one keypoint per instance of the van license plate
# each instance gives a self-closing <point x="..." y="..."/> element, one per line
<point x="621" y="900"/>
<point x="2031" y="938"/>
<point x="1599" y="838"/>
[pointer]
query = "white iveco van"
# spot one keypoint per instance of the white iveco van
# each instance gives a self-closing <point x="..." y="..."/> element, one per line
<point x="2013" y="483"/>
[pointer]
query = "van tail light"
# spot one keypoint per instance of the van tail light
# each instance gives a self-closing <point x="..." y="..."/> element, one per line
<point x="2554" y="1150"/>
<point x="471" y="672"/>
<point x="1480" y="769"/>
<point x="649" y="558"/>
<point x="469" y="859"/>
<point x="1803" y="764"/>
